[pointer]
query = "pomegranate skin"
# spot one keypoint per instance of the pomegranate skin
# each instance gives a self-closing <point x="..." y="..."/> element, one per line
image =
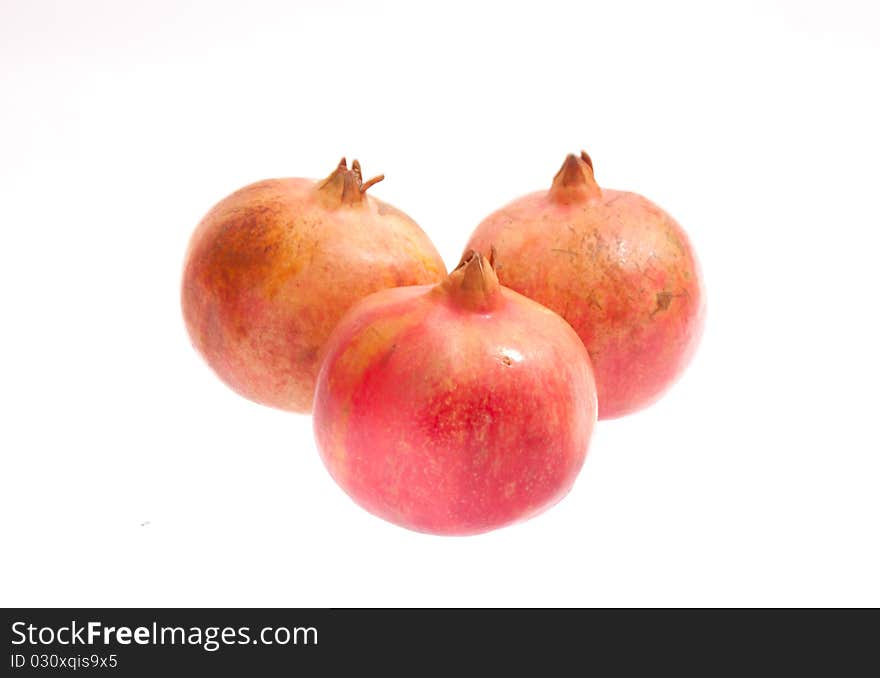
<point x="618" y="268"/>
<point x="272" y="268"/>
<point x="457" y="408"/>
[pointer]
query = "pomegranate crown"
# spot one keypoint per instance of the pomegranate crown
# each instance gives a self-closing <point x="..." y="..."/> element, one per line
<point x="346" y="186"/>
<point x="473" y="284"/>
<point x="574" y="182"/>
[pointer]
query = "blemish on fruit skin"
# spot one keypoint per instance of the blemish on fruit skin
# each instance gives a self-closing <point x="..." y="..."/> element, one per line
<point x="664" y="298"/>
<point x="510" y="356"/>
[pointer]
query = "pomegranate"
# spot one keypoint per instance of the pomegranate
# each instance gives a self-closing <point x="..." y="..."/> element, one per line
<point x="455" y="408"/>
<point x="618" y="268"/>
<point x="273" y="267"/>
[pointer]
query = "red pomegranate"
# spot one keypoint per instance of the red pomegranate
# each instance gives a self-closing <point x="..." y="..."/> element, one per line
<point x="456" y="408"/>
<point x="618" y="268"/>
<point x="272" y="268"/>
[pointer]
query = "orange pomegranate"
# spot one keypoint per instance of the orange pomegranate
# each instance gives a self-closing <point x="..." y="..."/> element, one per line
<point x="273" y="267"/>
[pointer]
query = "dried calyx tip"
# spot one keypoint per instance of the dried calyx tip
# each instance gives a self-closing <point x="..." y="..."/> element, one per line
<point x="369" y="182"/>
<point x="364" y="185"/>
<point x="586" y="158"/>
<point x="467" y="258"/>
<point x="475" y="256"/>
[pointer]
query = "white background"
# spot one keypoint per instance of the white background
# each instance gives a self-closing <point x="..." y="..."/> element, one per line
<point x="132" y="476"/>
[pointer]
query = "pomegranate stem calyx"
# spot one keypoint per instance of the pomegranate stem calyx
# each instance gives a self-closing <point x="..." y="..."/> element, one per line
<point x="574" y="182"/>
<point x="345" y="186"/>
<point x="473" y="284"/>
